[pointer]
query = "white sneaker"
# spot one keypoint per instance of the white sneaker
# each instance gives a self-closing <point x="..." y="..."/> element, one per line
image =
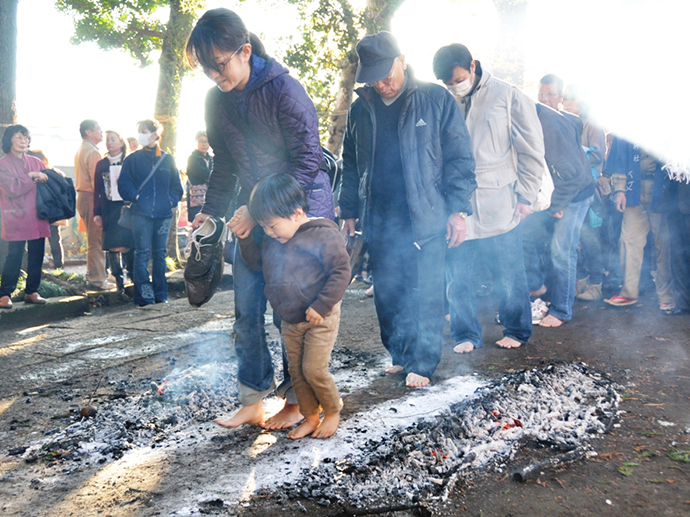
<point x="539" y="311"/>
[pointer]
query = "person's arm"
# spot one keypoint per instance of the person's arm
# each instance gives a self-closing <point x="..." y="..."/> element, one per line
<point x="348" y="200"/>
<point x="15" y="185"/>
<point x="459" y="181"/>
<point x="197" y="172"/>
<point x="596" y="139"/>
<point x="176" y="190"/>
<point x="528" y="142"/>
<point x="98" y="192"/>
<point x="221" y="183"/>
<point x="336" y="264"/>
<point x="250" y="248"/>
<point x="125" y="183"/>
<point x="299" y="126"/>
<point x="91" y="163"/>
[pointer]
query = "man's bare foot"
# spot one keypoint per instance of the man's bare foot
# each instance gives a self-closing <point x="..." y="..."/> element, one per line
<point x="311" y="423"/>
<point x="508" y="342"/>
<point x="538" y="292"/>
<point x="551" y="321"/>
<point x="286" y="417"/>
<point x="463" y="348"/>
<point x="252" y="414"/>
<point x="327" y="427"/>
<point x="392" y="369"/>
<point x="416" y="381"/>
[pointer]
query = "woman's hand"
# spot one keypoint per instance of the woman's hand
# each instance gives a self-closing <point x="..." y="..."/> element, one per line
<point x="242" y="222"/>
<point x="38" y="177"/>
<point x="98" y="221"/>
<point x="199" y="220"/>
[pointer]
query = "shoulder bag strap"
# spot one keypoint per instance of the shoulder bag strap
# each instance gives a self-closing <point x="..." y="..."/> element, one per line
<point x="153" y="170"/>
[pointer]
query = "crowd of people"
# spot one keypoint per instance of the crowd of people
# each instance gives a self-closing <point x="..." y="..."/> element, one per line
<point x="452" y="187"/>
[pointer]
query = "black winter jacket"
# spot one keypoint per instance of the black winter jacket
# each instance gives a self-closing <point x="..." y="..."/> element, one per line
<point x="438" y="163"/>
<point x="55" y="199"/>
<point x="567" y="161"/>
<point x="278" y="112"/>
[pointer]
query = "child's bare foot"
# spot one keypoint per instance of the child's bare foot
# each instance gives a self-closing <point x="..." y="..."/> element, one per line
<point x="551" y="321"/>
<point x="252" y="414"/>
<point x="327" y="427"/>
<point x="392" y="369"/>
<point x="463" y="348"/>
<point x="508" y="342"/>
<point x="286" y="417"/>
<point x="416" y="381"/>
<point x="311" y="423"/>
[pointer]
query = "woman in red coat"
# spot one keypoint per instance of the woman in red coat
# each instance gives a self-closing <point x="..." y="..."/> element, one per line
<point x="19" y="174"/>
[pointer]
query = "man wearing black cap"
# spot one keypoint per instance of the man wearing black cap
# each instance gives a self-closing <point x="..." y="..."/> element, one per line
<point x="408" y="175"/>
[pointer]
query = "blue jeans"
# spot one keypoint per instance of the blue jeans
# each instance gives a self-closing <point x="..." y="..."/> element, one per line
<point x="150" y="242"/>
<point x="255" y="366"/>
<point x="503" y="256"/>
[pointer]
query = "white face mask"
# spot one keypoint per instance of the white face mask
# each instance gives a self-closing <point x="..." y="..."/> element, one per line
<point x="144" y="139"/>
<point x="461" y="89"/>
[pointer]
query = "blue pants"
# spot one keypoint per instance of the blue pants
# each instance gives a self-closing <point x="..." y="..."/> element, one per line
<point x="255" y="366"/>
<point x="150" y="242"/>
<point x="503" y="256"/>
<point x="408" y="295"/>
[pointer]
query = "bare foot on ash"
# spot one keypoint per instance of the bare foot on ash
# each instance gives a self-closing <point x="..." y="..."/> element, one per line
<point x="311" y="423"/>
<point x="551" y="321"/>
<point x="327" y="427"/>
<point x="416" y="381"/>
<point x="286" y="417"/>
<point x="508" y="342"/>
<point x="252" y="414"/>
<point x="463" y="348"/>
<point x="392" y="369"/>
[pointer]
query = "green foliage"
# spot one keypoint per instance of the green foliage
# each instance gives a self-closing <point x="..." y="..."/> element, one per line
<point x="679" y="455"/>
<point x="132" y="25"/>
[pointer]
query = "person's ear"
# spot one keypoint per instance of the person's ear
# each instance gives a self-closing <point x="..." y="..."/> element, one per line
<point x="403" y="63"/>
<point x="299" y="212"/>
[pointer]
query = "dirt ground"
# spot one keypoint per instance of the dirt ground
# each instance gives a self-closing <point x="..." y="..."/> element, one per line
<point x="632" y="475"/>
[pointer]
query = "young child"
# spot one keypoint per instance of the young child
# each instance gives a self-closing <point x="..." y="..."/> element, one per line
<point x="307" y="270"/>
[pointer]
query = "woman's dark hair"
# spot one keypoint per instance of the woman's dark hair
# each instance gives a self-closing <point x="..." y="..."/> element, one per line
<point x="9" y="133"/>
<point x="448" y="57"/>
<point x="219" y="29"/>
<point x="277" y="195"/>
<point x="151" y="125"/>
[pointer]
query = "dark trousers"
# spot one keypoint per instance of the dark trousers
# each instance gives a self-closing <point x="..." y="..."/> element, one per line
<point x="409" y="299"/>
<point x="503" y="256"/>
<point x="116" y="259"/>
<point x="56" y="246"/>
<point x="679" y="228"/>
<point x="589" y="261"/>
<point x="13" y="265"/>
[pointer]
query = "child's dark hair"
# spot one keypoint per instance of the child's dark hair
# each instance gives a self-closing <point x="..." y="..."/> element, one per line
<point x="277" y="195"/>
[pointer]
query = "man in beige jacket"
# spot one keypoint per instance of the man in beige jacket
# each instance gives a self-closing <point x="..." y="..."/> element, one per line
<point x="508" y="148"/>
<point x="84" y="169"/>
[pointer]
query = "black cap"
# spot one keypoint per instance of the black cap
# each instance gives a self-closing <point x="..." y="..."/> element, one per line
<point x="377" y="53"/>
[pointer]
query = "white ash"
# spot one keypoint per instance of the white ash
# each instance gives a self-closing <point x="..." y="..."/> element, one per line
<point x="562" y="406"/>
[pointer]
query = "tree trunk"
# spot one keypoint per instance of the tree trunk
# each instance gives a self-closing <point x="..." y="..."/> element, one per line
<point x="509" y="62"/>
<point x="336" y="128"/>
<point x="172" y="70"/>
<point x="8" y="64"/>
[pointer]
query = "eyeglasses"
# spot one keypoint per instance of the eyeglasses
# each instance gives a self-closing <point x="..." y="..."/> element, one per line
<point x="221" y="66"/>
<point x="386" y="81"/>
<point x="548" y="95"/>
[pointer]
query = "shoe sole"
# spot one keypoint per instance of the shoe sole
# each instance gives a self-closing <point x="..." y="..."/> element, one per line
<point x="620" y="304"/>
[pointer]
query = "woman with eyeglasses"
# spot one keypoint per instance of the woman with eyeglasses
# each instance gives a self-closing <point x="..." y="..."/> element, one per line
<point x="259" y="121"/>
<point x="19" y="174"/>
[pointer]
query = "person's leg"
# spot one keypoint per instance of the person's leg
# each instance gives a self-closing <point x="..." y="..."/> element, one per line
<point x="143" y="235"/>
<point x="116" y="269"/>
<point x="662" y="248"/>
<point x="425" y="321"/>
<point x="36" y="252"/>
<point x="462" y="295"/>
<point x="679" y="226"/>
<point x="56" y="246"/>
<point x="159" y="243"/>
<point x="128" y="259"/>
<point x="12" y="267"/>
<point x="591" y="252"/>
<point x="254" y="363"/>
<point x="566" y="236"/>
<point x="535" y="237"/>
<point x="392" y="275"/>
<point x="633" y="239"/>
<point x="95" y="257"/>
<point x="503" y="254"/>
